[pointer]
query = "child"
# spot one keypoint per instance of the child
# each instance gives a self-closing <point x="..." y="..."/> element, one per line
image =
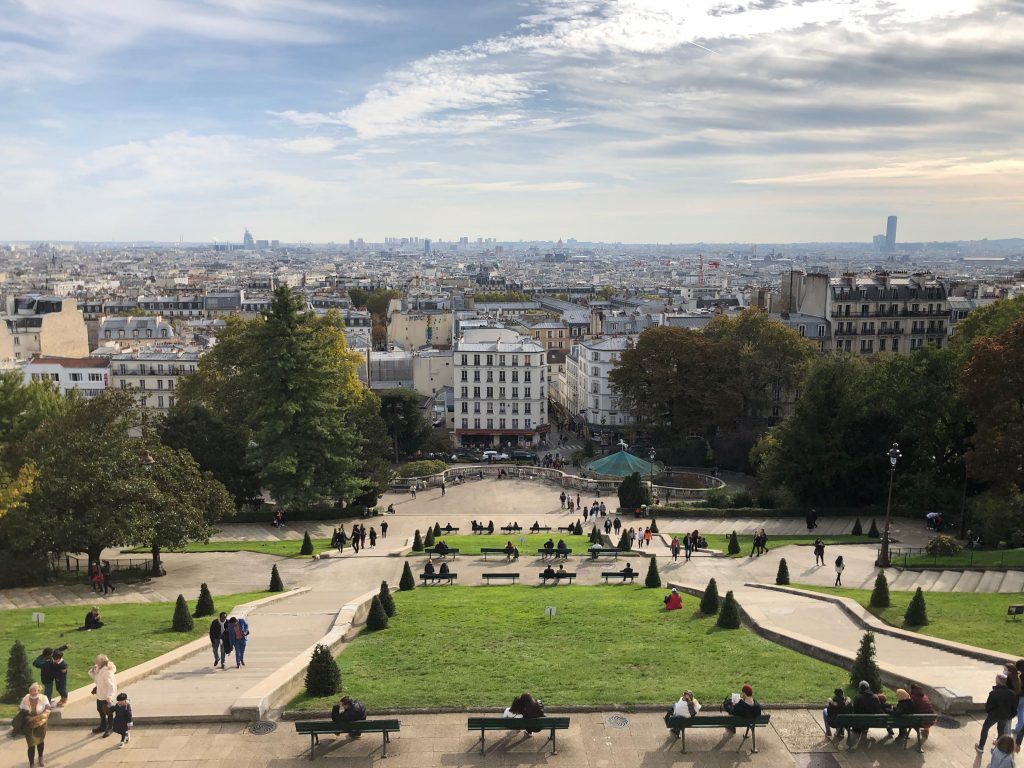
<point x="122" y="717"/>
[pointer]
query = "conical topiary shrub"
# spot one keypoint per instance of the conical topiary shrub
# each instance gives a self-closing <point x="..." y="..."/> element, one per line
<point x="429" y="541"/>
<point x="624" y="539"/>
<point x="276" y="585"/>
<point x="204" y="605"/>
<point x="182" y="621"/>
<point x="323" y="678"/>
<point x="386" y="599"/>
<point x="307" y="545"/>
<point x="858" y="529"/>
<point x="729" y="616"/>
<point x="782" y="577"/>
<point x="437" y="530"/>
<point x="653" y="579"/>
<point x="595" y="535"/>
<point x="873" y="530"/>
<point x="378" y="618"/>
<point x="417" y="542"/>
<point x="880" y="594"/>
<point x="19" y="674"/>
<point x="407" y="582"/>
<point x="734" y="544"/>
<point x="864" y="666"/>
<point x="578" y="530"/>
<point x="709" y="602"/>
<point x="654" y="526"/>
<point x="917" y="612"/>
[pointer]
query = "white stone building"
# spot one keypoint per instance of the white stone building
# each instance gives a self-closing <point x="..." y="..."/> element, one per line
<point x="88" y="375"/>
<point x="153" y="372"/>
<point x="587" y="395"/>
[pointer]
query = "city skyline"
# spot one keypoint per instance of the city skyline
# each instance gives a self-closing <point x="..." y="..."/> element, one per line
<point x="633" y="121"/>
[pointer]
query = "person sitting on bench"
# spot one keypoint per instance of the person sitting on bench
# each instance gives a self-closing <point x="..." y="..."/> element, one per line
<point x="837" y="705"/>
<point x="549" y="544"/>
<point x="490" y="526"/>
<point x="535" y="527"/>
<point x="864" y="703"/>
<point x="628" y="570"/>
<point x="746" y="706"/>
<point x="429" y="567"/>
<point x="347" y="711"/>
<point x="673" y="602"/>
<point x="561" y="570"/>
<point x="593" y="550"/>
<point x="441" y="549"/>
<point x="448" y="528"/>
<point x="549" y="573"/>
<point x="509" y="551"/>
<point x="92" y="620"/>
<point x="562" y="546"/>
<point x="687" y="706"/>
<point x="525" y="706"/>
<point x="444" y="569"/>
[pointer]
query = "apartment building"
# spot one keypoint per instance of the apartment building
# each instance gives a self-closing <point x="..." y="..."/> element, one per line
<point x="500" y="389"/>
<point x="135" y="329"/>
<point x="42" y="325"/>
<point x="153" y="372"/>
<point x="586" y="392"/>
<point x="888" y="313"/>
<point x="87" y="375"/>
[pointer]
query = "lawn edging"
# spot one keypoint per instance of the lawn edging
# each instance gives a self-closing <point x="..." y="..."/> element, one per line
<point x="323" y="714"/>
<point x="145" y="669"/>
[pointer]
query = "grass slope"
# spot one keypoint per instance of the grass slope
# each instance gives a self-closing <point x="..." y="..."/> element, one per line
<point x="607" y="645"/>
<point x="471" y="544"/>
<point x="278" y="547"/>
<point x="986" y="558"/>
<point x="720" y="541"/>
<point x="975" y="618"/>
<point x="134" y="633"/>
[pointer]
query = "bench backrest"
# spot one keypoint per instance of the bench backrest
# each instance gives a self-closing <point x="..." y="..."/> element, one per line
<point x="884" y="719"/>
<point x="329" y="726"/>
<point x="716" y="721"/>
<point x="519" y="723"/>
<point x="452" y="574"/>
<point x="500" y="575"/>
<point x="622" y="574"/>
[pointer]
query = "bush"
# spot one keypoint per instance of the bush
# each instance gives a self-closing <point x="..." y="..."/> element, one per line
<point x="578" y="530"/>
<point x="407" y="582"/>
<point x="307" y="545"/>
<point x="204" y="605"/>
<point x="653" y="579"/>
<point x="624" y="540"/>
<point x="858" y="529"/>
<point x="417" y="542"/>
<point x="880" y="594"/>
<point x="437" y="530"/>
<point x="873" y="530"/>
<point x="19" y="674"/>
<point x="632" y="492"/>
<point x="864" y="666"/>
<point x="729" y="617"/>
<point x="387" y="600"/>
<point x="595" y="535"/>
<point x="429" y="541"/>
<point x="378" y="618"/>
<point x="742" y="498"/>
<point x="942" y="545"/>
<point x="323" y="678"/>
<point x="276" y="585"/>
<point x="782" y="577"/>
<point x="734" y="544"/>
<point x="422" y="468"/>
<point x="182" y="621"/>
<point x="717" y="497"/>
<point x="654" y="526"/>
<point x="917" y="612"/>
<point x="709" y="602"/>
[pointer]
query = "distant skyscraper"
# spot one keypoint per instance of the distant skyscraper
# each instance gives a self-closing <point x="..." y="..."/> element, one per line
<point x="426" y="246"/>
<point x="247" y="240"/>
<point x="890" y="234"/>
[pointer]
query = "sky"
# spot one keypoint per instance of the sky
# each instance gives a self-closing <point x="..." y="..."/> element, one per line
<point x="610" y="120"/>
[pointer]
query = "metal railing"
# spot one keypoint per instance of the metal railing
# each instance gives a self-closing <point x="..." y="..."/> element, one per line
<point x="909" y="557"/>
<point x="133" y="567"/>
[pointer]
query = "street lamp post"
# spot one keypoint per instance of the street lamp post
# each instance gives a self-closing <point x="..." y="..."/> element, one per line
<point x="651" y="456"/>
<point x="894" y="456"/>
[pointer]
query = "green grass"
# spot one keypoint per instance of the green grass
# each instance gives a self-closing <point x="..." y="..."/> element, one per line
<point x="986" y="558"/>
<point x="974" y="618"/>
<point x="470" y="545"/>
<point x="279" y="547"/>
<point x="607" y="645"/>
<point x="720" y="541"/>
<point x="133" y="633"/>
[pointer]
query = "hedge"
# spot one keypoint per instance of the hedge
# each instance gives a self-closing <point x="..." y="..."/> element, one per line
<point x="265" y="514"/>
<point x="422" y="468"/>
<point x="692" y="510"/>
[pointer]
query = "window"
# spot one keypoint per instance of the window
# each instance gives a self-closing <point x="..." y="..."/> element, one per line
<point x="526" y="408"/>
<point x="490" y="376"/>
<point x="526" y="376"/>
<point x="501" y="376"/>
<point x="594" y="371"/>
<point x="160" y="401"/>
<point x="594" y="388"/>
<point x="595" y="404"/>
<point x="490" y="407"/>
<point x="515" y="359"/>
<point x="821" y="331"/>
<point x="476" y="376"/>
<point x="490" y="423"/>
<point x="515" y="375"/>
<point x="476" y="407"/>
<point x="490" y="392"/>
<point x="526" y="393"/>
<point x="515" y="407"/>
<point x="142" y="383"/>
<point x="803" y="330"/>
<point x="106" y="334"/>
<point x="465" y="423"/>
<point x="465" y="360"/>
<point x="159" y="383"/>
<point x="596" y="357"/>
<point x="881" y="345"/>
<point x="476" y="359"/>
<point x="501" y="360"/>
<point x="465" y="407"/>
<point x="501" y="424"/>
<point x="490" y="359"/>
<point x="464" y="392"/>
<point x="515" y="391"/>
<point x="76" y="377"/>
<point x="476" y="423"/>
<point x="465" y="376"/>
<point x="515" y="423"/>
<point x="528" y="423"/>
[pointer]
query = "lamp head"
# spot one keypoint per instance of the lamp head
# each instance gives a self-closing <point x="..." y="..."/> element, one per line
<point x="894" y="454"/>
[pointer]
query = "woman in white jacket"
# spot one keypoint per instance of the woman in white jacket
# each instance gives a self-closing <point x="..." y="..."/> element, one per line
<point x="103" y="674"/>
<point x="687" y="706"/>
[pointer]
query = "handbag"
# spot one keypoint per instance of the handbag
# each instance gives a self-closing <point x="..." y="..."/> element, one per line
<point x="18" y="724"/>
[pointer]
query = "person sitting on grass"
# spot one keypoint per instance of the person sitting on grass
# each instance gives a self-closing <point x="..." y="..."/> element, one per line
<point x="348" y="711"/>
<point x="839" y="704"/>
<point x="92" y="620"/>
<point x="687" y="706"/>
<point x="744" y="706"/>
<point x="673" y="602"/>
<point x="548" y="573"/>
<point x="509" y="551"/>
<point x="428" y="568"/>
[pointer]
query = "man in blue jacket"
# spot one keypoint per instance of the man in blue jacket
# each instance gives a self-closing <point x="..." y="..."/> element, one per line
<point x="238" y="631"/>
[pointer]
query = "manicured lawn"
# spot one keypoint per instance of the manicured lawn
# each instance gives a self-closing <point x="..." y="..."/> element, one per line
<point x="470" y="545"/>
<point x="133" y="633"/>
<point x="279" y="547"/>
<point x="985" y="558"/>
<point x="975" y="618"/>
<point x="607" y="645"/>
<point x="720" y="541"/>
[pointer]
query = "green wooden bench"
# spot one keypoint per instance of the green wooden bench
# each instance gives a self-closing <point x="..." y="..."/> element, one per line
<point x="596" y="552"/>
<point x="557" y="576"/>
<point x="619" y="575"/>
<point x="539" y="528"/>
<point x="517" y="528"/>
<point x="509" y="576"/>
<point x="567" y="528"/>
<point x="453" y="551"/>
<point x="537" y="724"/>
<point x="680" y="724"/>
<point x="357" y="727"/>
<point x="554" y="553"/>
<point x="485" y="551"/>
<point x="438" y="577"/>
<point x="863" y="722"/>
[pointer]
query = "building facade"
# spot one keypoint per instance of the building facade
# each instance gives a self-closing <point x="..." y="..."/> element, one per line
<point x="52" y="326"/>
<point x="153" y="373"/>
<point x="588" y="397"/>
<point x="888" y="313"/>
<point x="87" y="375"/>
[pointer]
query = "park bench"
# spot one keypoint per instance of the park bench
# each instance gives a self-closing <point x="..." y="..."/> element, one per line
<point x="545" y="553"/>
<point x="858" y="722"/>
<point x="539" y="528"/>
<point x="557" y="577"/>
<point x="483" y="529"/>
<point x="596" y="552"/>
<point x="1015" y="611"/>
<point x="453" y="551"/>
<point x="485" y="551"/>
<point x="718" y="721"/>
<point x="631" y="575"/>
<point x="536" y="724"/>
<point x="438" y="577"/>
<point x="511" y="528"/>
<point x="315" y="728"/>
<point x="567" y="528"/>
<point x="489" y="576"/>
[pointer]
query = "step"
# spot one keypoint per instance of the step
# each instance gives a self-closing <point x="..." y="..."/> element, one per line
<point x="990" y="581"/>
<point x="927" y="580"/>
<point x="1013" y="581"/>
<point x="969" y="581"/>
<point x="947" y="580"/>
<point x="905" y="582"/>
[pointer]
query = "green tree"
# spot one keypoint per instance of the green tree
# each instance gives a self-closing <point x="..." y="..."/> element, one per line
<point x="595" y="535"/>
<point x="578" y="530"/>
<point x="23" y="407"/>
<point x="307" y="545"/>
<point x="873" y="530"/>
<point x="782" y="576"/>
<point x="276" y="585"/>
<point x="378" y="617"/>
<point x="653" y="578"/>
<point x="606" y="293"/>
<point x="19" y="674"/>
<point x="654" y="526"/>
<point x="204" y="605"/>
<point x="429" y="541"/>
<point x="323" y="678"/>
<point x="858" y="529"/>
<point x="624" y="542"/>
<point x="987" y="322"/>
<point x="437" y="530"/>
<point x="880" y="594"/>
<point x="633" y="492"/>
<point x="402" y="412"/>
<point x="734" y="544"/>
<point x="917" y="613"/>
<point x="387" y="599"/>
<point x="182" y="620"/>
<point x="709" y="603"/>
<point x="408" y="581"/>
<point x="729" y="615"/>
<point x="417" y="542"/>
<point x="865" y="667"/>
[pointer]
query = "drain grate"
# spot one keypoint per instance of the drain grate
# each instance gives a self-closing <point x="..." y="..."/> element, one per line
<point x="262" y="728"/>
<point x="618" y="721"/>
<point x="944" y="721"/>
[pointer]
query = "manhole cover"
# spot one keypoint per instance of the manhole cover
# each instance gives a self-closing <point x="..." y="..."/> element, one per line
<point x="262" y="728"/>
<point x="945" y="721"/>
<point x="618" y="721"/>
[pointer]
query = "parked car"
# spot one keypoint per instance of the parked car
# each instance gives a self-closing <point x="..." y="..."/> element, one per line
<point x="524" y="456"/>
<point x="469" y="456"/>
<point x="495" y="456"/>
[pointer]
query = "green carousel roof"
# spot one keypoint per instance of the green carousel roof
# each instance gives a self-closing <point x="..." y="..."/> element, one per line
<point x="620" y="464"/>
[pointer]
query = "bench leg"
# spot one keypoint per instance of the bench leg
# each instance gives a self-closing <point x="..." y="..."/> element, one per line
<point x="481" y="741"/>
<point x="386" y="740"/>
<point x="920" y="744"/>
<point x="753" y="739"/>
<point x="682" y="736"/>
<point x="312" y="743"/>
<point x="554" y="743"/>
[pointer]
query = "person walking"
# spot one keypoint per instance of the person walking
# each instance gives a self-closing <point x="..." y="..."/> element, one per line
<point x="577" y="501"/>
<point x="373" y="537"/>
<point x="675" y="547"/>
<point x="561" y="498"/>
<point x="355" y="539"/>
<point x="840" y="567"/>
<point x="384" y="529"/>
<point x="36" y="708"/>
<point x="105" y="576"/>
<point x="104" y="674"/>
<point x="687" y="547"/>
<point x="617" y="525"/>
<point x="1000" y="708"/>
<point x="412" y="491"/>
<point x="442" y="487"/>
<point x="123" y="718"/>
<point x="238" y="629"/>
<point x="647" y="536"/>
<point x="95" y="577"/>
<point x="219" y="639"/>
<point x="362" y="537"/>
<point x="819" y="551"/>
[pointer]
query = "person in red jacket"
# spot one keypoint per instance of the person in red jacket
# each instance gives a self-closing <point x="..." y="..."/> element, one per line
<point x="673" y="601"/>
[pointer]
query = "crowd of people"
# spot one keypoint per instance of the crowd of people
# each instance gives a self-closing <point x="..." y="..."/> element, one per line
<point x="359" y="536"/>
